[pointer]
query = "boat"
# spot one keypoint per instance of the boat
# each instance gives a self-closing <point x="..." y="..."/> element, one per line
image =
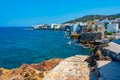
<point x="69" y="42"/>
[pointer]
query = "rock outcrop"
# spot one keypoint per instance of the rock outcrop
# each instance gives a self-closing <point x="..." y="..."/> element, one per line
<point x="29" y="72"/>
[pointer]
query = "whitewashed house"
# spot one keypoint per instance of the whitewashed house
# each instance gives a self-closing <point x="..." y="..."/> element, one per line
<point x="112" y="27"/>
<point x="55" y="26"/>
<point x="83" y="24"/>
<point x="76" y="28"/>
<point x="117" y="21"/>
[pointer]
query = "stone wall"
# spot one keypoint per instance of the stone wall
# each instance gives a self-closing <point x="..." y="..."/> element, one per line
<point x="73" y="68"/>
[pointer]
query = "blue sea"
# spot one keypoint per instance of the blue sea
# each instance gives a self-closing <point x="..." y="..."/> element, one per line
<point x="22" y="45"/>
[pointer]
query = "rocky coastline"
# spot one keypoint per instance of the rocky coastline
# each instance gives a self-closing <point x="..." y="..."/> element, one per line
<point x="78" y="67"/>
<point x="29" y="72"/>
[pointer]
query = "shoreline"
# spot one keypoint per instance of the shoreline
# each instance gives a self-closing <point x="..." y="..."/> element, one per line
<point x="83" y="67"/>
<point x="29" y="71"/>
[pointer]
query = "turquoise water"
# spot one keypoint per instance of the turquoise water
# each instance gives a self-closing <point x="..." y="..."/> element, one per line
<point x="25" y="46"/>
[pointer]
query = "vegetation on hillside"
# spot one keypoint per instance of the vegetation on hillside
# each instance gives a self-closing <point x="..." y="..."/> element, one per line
<point x="94" y="17"/>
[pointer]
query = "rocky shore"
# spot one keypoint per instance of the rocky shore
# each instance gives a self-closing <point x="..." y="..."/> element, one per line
<point x="96" y="66"/>
<point x="73" y="68"/>
<point x="29" y="72"/>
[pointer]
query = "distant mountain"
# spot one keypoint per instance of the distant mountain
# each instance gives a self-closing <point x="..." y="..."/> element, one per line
<point x="117" y="14"/>
<point x="94" y="17"/>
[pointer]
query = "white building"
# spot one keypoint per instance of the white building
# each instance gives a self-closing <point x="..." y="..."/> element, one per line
<point x="83" y="24"/>
<point x="55" y="26"/>
<point x="36" y="26"/>
<point x="112" y="28"/>
<point x="76" y="28"/>
<point x="52" y="26"/>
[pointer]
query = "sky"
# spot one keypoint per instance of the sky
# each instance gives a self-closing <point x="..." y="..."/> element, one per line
<point x="33" y="12"/>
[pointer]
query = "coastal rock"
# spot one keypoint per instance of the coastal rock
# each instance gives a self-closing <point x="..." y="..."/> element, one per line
<point x="72" y="68"/>
<point x="29" y="72"/>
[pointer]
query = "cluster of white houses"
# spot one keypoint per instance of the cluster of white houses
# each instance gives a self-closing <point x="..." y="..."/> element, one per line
<point x="95" y="25"/>
<point x="47" y="26"/>
<point x="98" y="26"/>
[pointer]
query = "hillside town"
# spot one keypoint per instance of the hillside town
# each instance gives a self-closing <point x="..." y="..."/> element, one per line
<point x="96" y="25"/>
<point x="93" y="26"/>
<point x="95" y="30"/>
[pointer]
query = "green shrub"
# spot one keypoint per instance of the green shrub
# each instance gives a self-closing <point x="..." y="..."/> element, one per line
<point x="109" y="33"/>
<point x="91" y="50"/>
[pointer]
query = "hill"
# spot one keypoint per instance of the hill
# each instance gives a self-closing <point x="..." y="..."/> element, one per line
<point x="94" y="17"/>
